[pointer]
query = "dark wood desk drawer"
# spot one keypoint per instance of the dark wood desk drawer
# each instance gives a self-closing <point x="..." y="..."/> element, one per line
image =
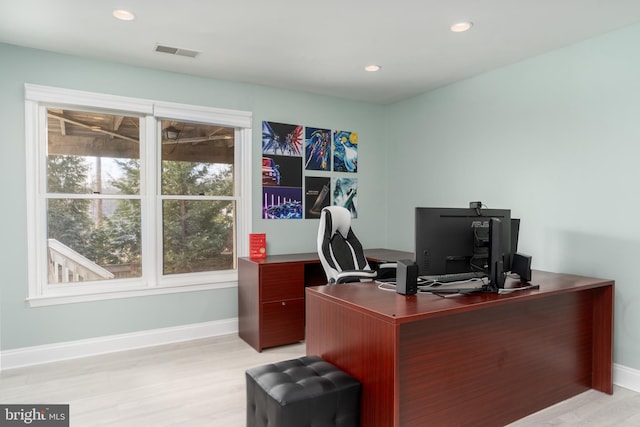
<point x="275" y="279"/>
<point x="282" y="281"/>
<point x="283" y="322"/>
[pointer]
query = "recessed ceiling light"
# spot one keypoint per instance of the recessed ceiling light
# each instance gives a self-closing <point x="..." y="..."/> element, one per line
<point x="124" y="15"/>
<point x="460" y="27"/>
<point x="372" y="68"/>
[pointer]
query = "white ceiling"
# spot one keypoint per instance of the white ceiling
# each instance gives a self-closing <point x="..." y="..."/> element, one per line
<point x="317" y="46"/>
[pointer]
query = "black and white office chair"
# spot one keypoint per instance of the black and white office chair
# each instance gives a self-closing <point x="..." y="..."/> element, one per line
<point x="340" y="251"/>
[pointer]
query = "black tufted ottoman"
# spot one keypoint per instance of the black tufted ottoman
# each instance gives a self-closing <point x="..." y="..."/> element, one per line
<point x="302" y="392"/>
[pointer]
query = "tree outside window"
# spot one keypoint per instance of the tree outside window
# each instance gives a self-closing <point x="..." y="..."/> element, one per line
<point x="131" y="197"/>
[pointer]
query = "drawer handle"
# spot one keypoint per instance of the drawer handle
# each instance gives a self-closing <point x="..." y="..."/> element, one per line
<point x="284" y="303"/>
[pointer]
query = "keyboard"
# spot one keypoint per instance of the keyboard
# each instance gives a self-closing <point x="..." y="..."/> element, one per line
<point x="453" y="277"/>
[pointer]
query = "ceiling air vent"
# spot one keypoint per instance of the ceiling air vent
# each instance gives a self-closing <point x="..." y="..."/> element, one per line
<point x="176" y="51"/>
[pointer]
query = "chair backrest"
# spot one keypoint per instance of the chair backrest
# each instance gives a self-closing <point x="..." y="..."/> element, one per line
<point x="338" y="247"/>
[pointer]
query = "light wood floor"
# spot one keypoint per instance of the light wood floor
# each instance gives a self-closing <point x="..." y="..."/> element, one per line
<point x="201" y="383"/>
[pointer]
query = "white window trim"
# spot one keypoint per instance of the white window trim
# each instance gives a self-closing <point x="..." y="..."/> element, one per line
<point x="39" y="294"/>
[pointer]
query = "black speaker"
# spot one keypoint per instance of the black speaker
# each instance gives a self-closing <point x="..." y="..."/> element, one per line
<point x="407" y="277"/>
<point x="521" y="265"/>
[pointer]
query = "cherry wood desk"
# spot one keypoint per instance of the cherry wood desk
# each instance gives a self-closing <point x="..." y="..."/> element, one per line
<point x="271" y="294"/>
<point x="472" y="360"/>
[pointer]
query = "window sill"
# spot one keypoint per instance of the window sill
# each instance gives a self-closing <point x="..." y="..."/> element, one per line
<point x="60" y="298"/>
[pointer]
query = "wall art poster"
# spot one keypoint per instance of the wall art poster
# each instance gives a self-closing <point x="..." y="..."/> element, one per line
<point x="345" y="151"/>
<point x="317" y="195"/>
<point x="282" y="139"/>
<point x="345" y="194"/>
<point x="317" y="150"/>
<point x="281" y="203"/>
<point x="281" y="171"/>
<point x="282" y="187"/>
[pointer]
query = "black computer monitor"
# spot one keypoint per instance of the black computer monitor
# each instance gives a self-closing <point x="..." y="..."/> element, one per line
<point x="457" y="240"/>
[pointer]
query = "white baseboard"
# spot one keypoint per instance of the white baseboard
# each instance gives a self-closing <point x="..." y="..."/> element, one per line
<point x="622" y="376"/>
<point x="626" y="377"/>
<point x="90" y="347"/>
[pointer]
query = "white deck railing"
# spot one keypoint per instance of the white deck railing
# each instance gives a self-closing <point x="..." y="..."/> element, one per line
<point x="67" y="265"/>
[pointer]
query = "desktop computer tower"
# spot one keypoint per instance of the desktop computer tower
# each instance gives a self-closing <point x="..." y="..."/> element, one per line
<point x="496" y="263"/>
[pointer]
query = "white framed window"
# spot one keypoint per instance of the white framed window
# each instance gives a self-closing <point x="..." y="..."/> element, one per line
<point x="130" y="197"/>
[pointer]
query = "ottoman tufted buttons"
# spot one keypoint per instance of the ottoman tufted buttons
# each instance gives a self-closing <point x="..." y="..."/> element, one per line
<point x="302" y="392"/>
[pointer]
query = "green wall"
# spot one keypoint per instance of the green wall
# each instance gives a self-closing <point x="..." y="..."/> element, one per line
<point x="555" y="138"/>
<point x="23" y="326"/>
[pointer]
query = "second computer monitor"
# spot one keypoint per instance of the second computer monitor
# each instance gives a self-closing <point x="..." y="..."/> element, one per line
<point x="456" y="240"/>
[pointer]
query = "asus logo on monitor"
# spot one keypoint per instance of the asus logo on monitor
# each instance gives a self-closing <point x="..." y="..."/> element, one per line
<point x="480" y="224"/>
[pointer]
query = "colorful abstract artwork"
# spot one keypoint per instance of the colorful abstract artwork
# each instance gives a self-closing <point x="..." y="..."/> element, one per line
<point x="281" y="203"/>
<point x="317" y="149"/>
<point x="299" y="165"/>
<point x="345" y="194"/>
<point x="282" y="139"/>
<point x="281" y="171"/>
<point x="345" y="151"/>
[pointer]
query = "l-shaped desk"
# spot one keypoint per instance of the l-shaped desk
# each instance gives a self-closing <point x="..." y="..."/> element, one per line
<point x="468" y="360"/>
<point x="481" y="359"/>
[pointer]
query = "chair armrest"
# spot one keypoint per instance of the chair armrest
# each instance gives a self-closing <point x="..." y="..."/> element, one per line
<point x="347" y="276"/>
<point x="387" y="265"/>
<point x="387" y="270"/>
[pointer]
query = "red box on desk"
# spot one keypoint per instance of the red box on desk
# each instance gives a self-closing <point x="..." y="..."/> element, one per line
<point x="257" y="245"/>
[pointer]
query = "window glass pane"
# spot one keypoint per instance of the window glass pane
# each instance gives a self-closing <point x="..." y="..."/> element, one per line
<point x="93" y="239"/>
<point x="197" y="159"/>
<point x="198" y="235"/>
<point x="92" y="153"/>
